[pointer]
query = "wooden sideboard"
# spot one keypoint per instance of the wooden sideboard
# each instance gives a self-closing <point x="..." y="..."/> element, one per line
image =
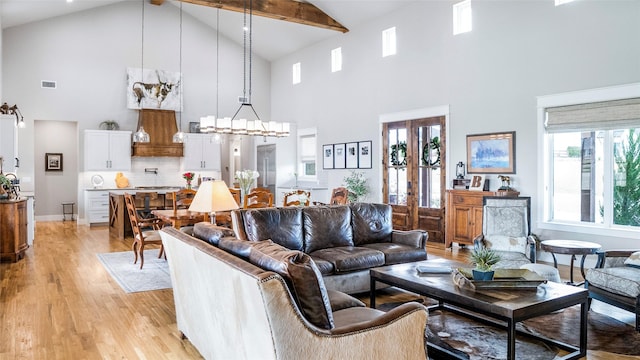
<point x="464" y="216"/>
<point x="13" y="229"/>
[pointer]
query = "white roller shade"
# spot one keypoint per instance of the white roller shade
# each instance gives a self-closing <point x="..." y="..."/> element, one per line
<point x="616" y="114"/>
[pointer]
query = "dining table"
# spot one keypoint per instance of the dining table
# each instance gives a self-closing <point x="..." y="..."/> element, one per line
<point x="181" y="217"/>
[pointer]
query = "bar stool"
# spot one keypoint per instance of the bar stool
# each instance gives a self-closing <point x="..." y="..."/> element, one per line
<point x="67" y="209"/>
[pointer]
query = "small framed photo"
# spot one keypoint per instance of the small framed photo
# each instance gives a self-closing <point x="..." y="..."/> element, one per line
<point x="352" y="155"/>
<point x="53" y="162"/>
<point x="327" y="156"/>
<point x="493" y="153"/>
<point x="364" y="154"/>
<point x="339" y="156"/>
<point x="194" y="127"/>
<point x="477" y="183"/>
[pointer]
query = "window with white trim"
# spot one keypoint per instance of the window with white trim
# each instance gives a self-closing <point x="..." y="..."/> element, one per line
<point x="462" y="17"/>
<point x="307" y="154"/>
<point x="389" y="42"/>
<point x="296" y="73"/>
<point x="336" y="59"/>
<point x="592" y="166"/>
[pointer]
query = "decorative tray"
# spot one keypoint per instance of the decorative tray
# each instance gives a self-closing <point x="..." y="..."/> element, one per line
<point x="503" y="279"/>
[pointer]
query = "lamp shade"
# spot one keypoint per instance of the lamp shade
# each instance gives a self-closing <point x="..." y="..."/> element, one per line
<point x="213" y="196"/>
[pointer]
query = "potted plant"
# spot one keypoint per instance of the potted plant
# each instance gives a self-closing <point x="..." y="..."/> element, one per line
<point x="483" y="258"/>
<point x="5" y="185"/>
<point x="356" y="184"/>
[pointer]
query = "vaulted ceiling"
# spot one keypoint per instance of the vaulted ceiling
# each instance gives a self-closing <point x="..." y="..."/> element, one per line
<point x="305" y="22"/>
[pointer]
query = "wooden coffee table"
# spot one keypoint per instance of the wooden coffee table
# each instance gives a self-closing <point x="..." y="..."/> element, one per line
<point x="507" y="307"/>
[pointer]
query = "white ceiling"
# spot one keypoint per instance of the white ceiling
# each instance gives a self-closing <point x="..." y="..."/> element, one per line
<point x="272" y="39"/>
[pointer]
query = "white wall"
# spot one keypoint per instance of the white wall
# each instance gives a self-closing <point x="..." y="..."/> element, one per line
<point x="55" y="187"/>
<point x="88" y="52"/>
<point x="490" y="77"/>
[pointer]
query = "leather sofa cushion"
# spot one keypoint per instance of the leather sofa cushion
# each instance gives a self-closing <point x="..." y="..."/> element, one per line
<point x="282" y="225"/>
<point x="340" y="300"/>
<point x="210" y="233"/>
<point x="326" y="227"/>
<point x="372" y="223"/>
<point x="236" y="247"/>
<point x="398" y="253"/>
<point x="325" y="267"/>
<point x="350" y="258"/>
<point x="302" y="274"/>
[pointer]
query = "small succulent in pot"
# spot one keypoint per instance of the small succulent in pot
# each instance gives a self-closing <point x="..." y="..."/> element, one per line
<point x="483" y="258"/>
<point x="109" y="125"/>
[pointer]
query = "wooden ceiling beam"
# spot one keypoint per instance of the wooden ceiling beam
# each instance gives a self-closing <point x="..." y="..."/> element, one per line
<point x="156" y="2"/>
<point x="287" y="10"/>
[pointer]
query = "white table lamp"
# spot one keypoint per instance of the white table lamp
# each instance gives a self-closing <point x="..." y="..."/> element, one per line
<point x="213" y="196"/>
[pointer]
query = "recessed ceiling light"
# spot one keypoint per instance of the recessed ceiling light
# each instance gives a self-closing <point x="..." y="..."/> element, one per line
<point x="69" y="1"/>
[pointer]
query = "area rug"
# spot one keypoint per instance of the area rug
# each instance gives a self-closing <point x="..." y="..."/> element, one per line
<point x="469" y="339"/>
<point x="153" y="276"/>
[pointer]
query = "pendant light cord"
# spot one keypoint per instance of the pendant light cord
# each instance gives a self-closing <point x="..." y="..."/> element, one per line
<point x="181" y="84"/>
<point x="245" y="29"/>
<point x="142" y="48"/>
<point x="217" y="61"/>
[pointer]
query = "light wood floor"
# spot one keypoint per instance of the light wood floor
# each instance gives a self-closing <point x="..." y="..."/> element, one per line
<point x="59" y="303"/>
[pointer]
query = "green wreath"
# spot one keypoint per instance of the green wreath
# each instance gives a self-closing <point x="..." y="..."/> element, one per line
<point x="399" y="151"/>
<point x="433" y="144"/>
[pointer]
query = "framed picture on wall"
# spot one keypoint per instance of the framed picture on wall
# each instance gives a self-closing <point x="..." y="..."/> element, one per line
<point x="352" y="155"/>
<point x="327" y="156"/>
<point x="339" y="156"/>
<point x="493" y="153"/>
<point x="364" y="154"/>
<point x="53" y="162"/>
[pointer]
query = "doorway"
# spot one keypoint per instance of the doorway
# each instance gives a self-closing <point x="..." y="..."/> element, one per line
<point x="266" y="162"/>
<point x="414" y="185"/>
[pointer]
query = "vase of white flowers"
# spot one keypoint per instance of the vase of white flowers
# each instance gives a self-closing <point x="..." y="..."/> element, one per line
<point x="245" y="179"/>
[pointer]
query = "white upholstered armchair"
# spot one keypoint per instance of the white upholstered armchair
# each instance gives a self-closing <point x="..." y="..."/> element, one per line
<point x="505" y="229"/>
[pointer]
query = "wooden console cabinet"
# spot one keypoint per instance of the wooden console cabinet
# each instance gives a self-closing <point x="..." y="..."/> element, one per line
<point x="13" y="229"/>
<point x="464" y="216"/>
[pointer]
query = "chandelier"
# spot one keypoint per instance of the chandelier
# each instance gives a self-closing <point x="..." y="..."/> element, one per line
<point x="238" y="124"/>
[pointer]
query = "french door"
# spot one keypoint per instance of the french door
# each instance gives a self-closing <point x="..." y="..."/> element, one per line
<point x="414" y="175"/>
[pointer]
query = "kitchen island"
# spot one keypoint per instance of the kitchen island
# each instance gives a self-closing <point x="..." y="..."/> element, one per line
<point x="119" y="223"/>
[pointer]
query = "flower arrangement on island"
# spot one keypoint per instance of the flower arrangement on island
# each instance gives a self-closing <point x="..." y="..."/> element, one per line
<point x="245" y="179"/>
<point x="189" y="177"/>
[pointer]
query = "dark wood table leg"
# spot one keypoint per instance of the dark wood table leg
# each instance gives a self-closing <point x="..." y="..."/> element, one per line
<point x="582" y="266"/>
<point x="573" y="258"/>
<point x="584" y="312"/>
<point x="372" y="293"/>
<point x="511" y="339"/>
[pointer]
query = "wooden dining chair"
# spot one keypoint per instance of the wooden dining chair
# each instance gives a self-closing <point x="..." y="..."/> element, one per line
<point x="258" y="199"/>
<point x="182" y="198"/>
<point x="145" y="231"/>
<point x="236" y="195"/>
<point x="339" y="196"/>
<point x="297" y="198"/>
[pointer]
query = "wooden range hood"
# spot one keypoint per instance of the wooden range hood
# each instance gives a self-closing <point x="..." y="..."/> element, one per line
<point x="161" y="125"/>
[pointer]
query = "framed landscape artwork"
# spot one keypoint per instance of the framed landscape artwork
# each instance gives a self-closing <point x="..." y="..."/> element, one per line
<point x="493" y="153"/>
<point x="53" y="162"/>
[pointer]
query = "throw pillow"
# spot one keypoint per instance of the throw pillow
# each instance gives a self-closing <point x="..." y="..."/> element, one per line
<point x="633" y="260"/>
<point x="302" y="273"/>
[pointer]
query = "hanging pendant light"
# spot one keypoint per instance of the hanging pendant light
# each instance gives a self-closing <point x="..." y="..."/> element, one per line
<point x="178" y="137"/>
<point x="141" y="136"/>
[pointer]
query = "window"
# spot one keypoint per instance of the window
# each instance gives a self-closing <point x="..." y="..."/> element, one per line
<point x="389" y="42"/>
<point x="592" y="165"/>
<point x="296" y="73"/>
<point x="307" y="154"/>
<point x="462" y="17"/>
<point x="336" y="59"/>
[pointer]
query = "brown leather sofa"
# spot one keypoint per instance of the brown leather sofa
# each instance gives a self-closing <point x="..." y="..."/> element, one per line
<point x="258" y="300"/>
<point x="344" y="241"/>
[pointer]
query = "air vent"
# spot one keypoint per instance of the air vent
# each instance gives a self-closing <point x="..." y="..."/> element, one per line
<point x="46" y="84"/>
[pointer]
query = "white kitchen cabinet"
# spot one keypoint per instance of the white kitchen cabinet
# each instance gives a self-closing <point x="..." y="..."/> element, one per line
<point x="97" y="206"/>
<point x="8" y="143"/>
<point x="107" y="150"/>
<point x="200" y="153"/>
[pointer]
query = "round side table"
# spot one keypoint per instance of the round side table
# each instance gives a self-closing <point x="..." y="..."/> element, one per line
<point x="570" y="247"/>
